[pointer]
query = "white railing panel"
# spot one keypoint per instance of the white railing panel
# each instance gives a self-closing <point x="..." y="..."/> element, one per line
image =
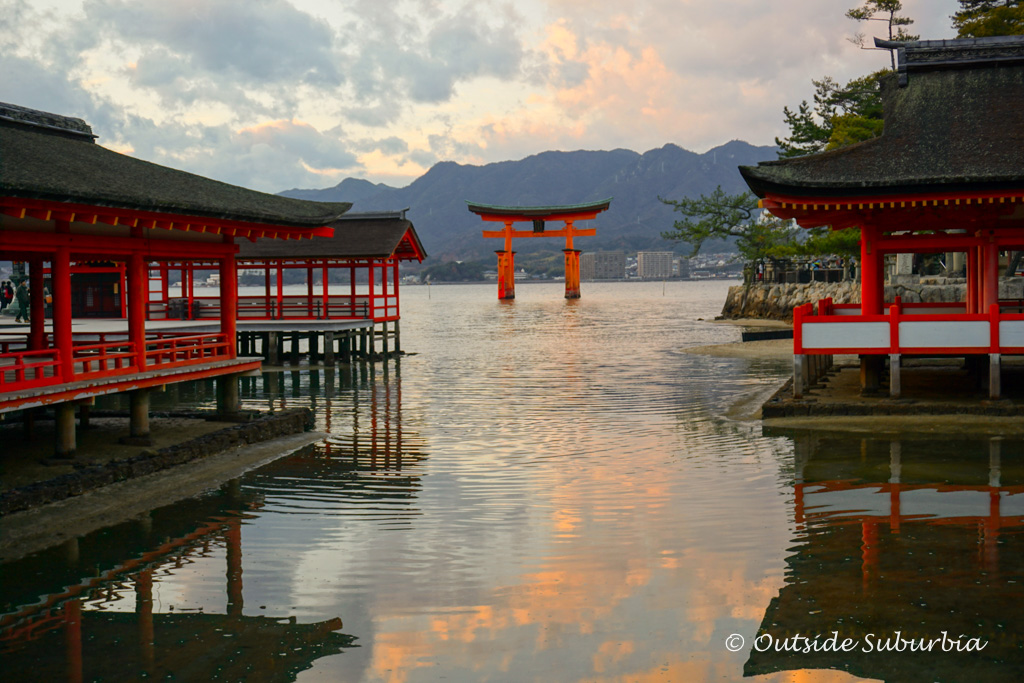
<point x="845" y="335"/>
<point x="936" y="334"/>
<point x="1011" y="333"/>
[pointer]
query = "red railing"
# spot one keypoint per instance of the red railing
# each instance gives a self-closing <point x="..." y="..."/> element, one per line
<point x="104" y="359"/>
<point x="25" y="369"/>
<point x="384" y="307"/>
<point x="166" y="350"/>
<point x="906" y="328"/>
<point x="30" y="369"/>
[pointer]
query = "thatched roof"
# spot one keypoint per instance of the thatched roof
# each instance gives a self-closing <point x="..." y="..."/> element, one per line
<point x="50" y="157"/>
<point x="356" y="236"/>
<point x="952" y="123"/>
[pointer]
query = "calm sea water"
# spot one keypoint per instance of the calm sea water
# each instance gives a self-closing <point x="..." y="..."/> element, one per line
<point x="547" y="490"/>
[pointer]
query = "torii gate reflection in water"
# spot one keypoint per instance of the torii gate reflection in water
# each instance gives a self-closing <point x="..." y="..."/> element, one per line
<point x="539" y="216"/>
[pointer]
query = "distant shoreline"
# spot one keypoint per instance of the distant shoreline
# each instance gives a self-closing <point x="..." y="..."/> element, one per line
<point x="536" y="282"/>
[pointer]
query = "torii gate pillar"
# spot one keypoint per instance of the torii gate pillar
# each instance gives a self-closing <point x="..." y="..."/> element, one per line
<point x="506" y="274"/>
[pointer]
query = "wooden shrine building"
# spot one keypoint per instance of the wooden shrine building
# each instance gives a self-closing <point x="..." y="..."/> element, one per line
<point x="539" y="216"/>
<point x="946" y="176"/>
<point x="355" y="301"/>
<point x="65" y="201"/>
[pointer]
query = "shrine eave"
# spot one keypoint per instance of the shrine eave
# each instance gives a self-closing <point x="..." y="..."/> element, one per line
<point x="44" y="163"/>
<point x="97" y="213"/>
<point x="529" y="213"/>
<point x="766" y="180"/>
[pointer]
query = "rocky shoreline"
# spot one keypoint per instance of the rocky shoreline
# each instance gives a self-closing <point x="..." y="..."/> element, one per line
<point x="775" y="301"/>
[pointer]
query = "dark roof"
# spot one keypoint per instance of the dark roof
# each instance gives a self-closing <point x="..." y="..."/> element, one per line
<point x="538" y="211"/>
<point x="49" y="157"/>
<point x="954" y="125"/>
<point x="356" y="236"/>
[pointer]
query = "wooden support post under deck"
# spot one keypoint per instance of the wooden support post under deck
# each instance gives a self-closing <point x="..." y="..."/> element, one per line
<point x="798" y="375"/>
<point x="65" y="418"/>
<point x="384" y="339"/>
<point x="871" y="373"/>
<point x="138" y="425"/>
<point x="314" y="347"/>
<point x="272" y="347"/>
<point x="398" y="339"/>
<point x="894" y="375"/>
<point x="329" y="348"/>
<point x="227" y="395"/>
<point x="994" y="376"/>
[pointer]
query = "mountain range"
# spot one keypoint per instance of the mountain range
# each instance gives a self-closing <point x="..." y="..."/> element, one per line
<point x="437" y="199"/>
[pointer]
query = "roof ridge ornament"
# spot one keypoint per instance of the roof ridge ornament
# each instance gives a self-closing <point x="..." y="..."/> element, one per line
<point x="67" y="125"/>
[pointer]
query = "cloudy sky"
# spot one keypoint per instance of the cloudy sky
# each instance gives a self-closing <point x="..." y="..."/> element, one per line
<point x="275" y="94"/>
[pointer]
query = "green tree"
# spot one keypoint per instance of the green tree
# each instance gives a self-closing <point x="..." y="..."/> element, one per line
<point x="720" y="215"/>
<point x="841" y="116"/>
<point x="980" y="18"/>
<point x="887" y="11"/>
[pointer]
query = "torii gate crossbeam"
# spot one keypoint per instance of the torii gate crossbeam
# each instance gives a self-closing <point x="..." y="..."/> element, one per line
<point x="539" y="216"/>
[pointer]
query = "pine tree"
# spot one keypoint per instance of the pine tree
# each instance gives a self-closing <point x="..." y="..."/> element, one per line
<point x="980" y="18"/>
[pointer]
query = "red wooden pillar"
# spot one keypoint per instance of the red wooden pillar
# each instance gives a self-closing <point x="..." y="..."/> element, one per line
<point x="36" y="304"/>
<point x="327" y="293"/>
<point x="62" y="339"/>
<point x="972" y="281"/>
<point x="872" y="288"/>
<point x="373" y="285"/>
<point x="280" y="290"/>
<point x="266" y="295"/>
<point x="123" y="294"/>
<point x="188" y="283"/>
<point x="137" y="286"/>
<point x="507" y="267"/>
<point x="991" y="273"/>
<point x="309" y="291"/>
<point x="394" y="270"/>
<point x="229" y="302"/>
<point x="572" y="273"/>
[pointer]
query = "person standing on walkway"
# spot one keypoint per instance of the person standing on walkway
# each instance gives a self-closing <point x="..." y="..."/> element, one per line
<point x="23" y="301"/>
<point x="6" y="294"/>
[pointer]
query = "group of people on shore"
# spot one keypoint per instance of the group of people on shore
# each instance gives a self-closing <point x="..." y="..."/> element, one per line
<point x="9" y="293"/>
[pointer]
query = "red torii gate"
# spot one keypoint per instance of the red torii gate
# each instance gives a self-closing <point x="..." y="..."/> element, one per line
<point x="539" y="215"/>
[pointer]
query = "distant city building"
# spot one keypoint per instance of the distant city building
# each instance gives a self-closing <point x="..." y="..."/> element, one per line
<point x="654" y="265"/>
<point x="603" y="265"/>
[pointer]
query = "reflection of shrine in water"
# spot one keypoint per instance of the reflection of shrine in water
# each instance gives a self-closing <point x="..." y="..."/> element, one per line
<point x="98" y="617"/>
<point x="104" y="624"/>
<point x="916" y="535"/>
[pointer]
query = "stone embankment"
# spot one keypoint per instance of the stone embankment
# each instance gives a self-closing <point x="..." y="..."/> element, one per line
<point x="776" y="301"/>
<point x="90" y="476"/>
